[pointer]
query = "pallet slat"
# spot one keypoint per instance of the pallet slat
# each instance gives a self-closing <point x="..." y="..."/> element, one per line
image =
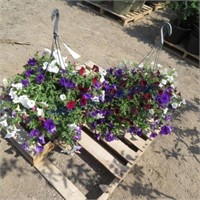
<point x="179" y="51"/>
<point x="103" y="156"/>
<point x="137" y="141"/>
<point x="55" y="177"/>
<point x="127" y="153"/>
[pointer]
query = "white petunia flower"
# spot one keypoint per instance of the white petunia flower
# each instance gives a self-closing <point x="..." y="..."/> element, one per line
<point x="45" y="64"/>
<point x="170" y="78"/>
<point x="3" y="123"/>
<point x="18" y="86"/>
<point x="141" y="65"/>
<point x="102" y="79"/>
<point x="151" y="111"/>
<point x="102" y="71"/>
<point x="40" y="112"/>
<point x="53" y="67"/>
<point x="160" y="85"/>
<point x="62" y="97"/>
<point x="164" y="82"/>
<point x="99" y="116"/>
<point x="174" y="105"/>
<point x="12" y="93"/>
<point x="165" y="110"/>
<point x="11" y="131"/>
<point x="26" y="102"/>
<point x="95" y="99"/>
<point x="73" y="126"/>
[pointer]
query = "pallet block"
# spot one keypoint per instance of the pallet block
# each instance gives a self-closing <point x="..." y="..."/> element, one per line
<point x="118" y="157"/>
<point x="106" y="8"/>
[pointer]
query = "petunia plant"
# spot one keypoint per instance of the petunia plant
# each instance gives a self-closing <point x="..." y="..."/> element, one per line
<point x="137" y="100"/>
<point x="52" y="99"/>
<point x="49" y="100"/>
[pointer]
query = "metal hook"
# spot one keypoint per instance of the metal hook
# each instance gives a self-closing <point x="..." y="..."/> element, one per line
<point x="163" y="34"/>
<point x="55" y="17"/>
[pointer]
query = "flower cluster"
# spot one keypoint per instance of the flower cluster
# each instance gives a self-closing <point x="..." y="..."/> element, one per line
<point x="136" y="101"/>
<point x="53" y="99"/>
<point x="49" y="100"/>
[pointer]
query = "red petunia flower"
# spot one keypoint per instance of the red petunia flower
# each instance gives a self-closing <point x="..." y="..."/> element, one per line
<point x="70" y="105"/>
<point x="95" y="68"/>
<point x="147" y="96"/>
<point x="95" y="80"/>
<point x="83" y="101"/>
<point x="143" y="83"/>
<point x="147" y="106"/>
<point x="82" y="71"/>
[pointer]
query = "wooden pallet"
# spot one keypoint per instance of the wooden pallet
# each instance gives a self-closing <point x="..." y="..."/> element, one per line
<point x="156" y="6"/>
<point x="180" y="51"/>
<point x="106" y="8"/>
<point x="118" y="157"/>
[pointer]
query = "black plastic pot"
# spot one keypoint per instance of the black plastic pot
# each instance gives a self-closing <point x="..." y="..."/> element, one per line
<point x="178" y="34"/>
<point x="192" y="45"/>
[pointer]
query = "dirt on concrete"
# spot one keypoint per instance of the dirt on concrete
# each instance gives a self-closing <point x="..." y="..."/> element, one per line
<point x="169" y="169"/>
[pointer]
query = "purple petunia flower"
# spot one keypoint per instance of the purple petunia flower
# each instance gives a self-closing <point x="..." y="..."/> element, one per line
<point x="118" y="72"/>
<point x="133" y="129"/>
<point x="29" y="72"/>
<point x="153" y="135"/>
<point x="25" y="146"/>
<point x="66" y="83"/>
<point x="25" y="82"/>
<point x="110" y="70"/>
<point x="139" y="132"/>
<point x="94" y="124"/>
<point x="109" y="136"/>
<point x="50" y="126"/>
<point x="164" y="99"/>
<point x="41" y="139"/>
<point x="40" y="78"/>
<point x="32" y="62"/>
<point x="119" y="94"/>
<point x="38" y="149"/>
<point x="39" y="69"/>
<point x="97" y="85"/>
<point x="34" y="133"/>
<point x="107" y="86"/>
<point x="165" y="130"/>
<point x="88" y="96"/>
<point x="167" y="118"/>
<point x="97" y="136"/>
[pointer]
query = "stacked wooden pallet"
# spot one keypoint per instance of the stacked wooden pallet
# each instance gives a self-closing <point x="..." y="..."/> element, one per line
<point x="180" y="51"/>
<point x="118" y="157"/>
<point x="156" y="6"/>
<point x="106" y="9"/>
